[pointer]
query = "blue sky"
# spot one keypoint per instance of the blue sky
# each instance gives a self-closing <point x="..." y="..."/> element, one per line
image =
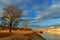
<point x="46" y="12"/>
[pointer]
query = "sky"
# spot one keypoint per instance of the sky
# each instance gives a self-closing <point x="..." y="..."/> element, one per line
<point x="45" y="12"/>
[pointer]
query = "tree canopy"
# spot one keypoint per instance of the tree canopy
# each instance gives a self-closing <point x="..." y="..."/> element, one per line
<point x="11" y="16"/>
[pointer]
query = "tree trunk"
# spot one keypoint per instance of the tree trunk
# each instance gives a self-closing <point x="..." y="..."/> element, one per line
<point x="10" y="30"/>
<point x="10" y="26"/>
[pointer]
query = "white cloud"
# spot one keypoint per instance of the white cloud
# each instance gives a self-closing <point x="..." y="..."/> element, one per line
<point x="55" y="6"/>
<point x="25" y="12"/>
<point x="55" y="1"/>
<point x="6" y="1"/>
<point x="52" y="12"/>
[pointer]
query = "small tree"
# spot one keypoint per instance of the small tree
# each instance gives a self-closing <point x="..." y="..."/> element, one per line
<point x="11" y="16"/>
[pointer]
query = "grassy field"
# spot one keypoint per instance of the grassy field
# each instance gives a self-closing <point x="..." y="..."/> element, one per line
<point x="17" y="31"/>
<point x="19" y="35"/>
<point x="6" y="33"/>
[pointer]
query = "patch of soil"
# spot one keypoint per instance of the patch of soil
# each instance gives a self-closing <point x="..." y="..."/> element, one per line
<point x="2" y="35"/>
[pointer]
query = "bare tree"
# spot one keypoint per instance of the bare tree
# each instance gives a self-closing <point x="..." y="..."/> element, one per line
<point x="11" y="16"/>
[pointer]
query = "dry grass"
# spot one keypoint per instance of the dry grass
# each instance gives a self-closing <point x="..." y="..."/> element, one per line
<point x="5" y="33"/>
<point x="19" y="35"/>
<point x="16" y="31"/>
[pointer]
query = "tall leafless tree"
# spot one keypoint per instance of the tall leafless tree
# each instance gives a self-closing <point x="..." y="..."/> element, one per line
<point x="11" y="16"/>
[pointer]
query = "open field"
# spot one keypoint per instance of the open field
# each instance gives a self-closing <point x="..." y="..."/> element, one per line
<point x="16" y="31"/>
<point x="19" y="35"/>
